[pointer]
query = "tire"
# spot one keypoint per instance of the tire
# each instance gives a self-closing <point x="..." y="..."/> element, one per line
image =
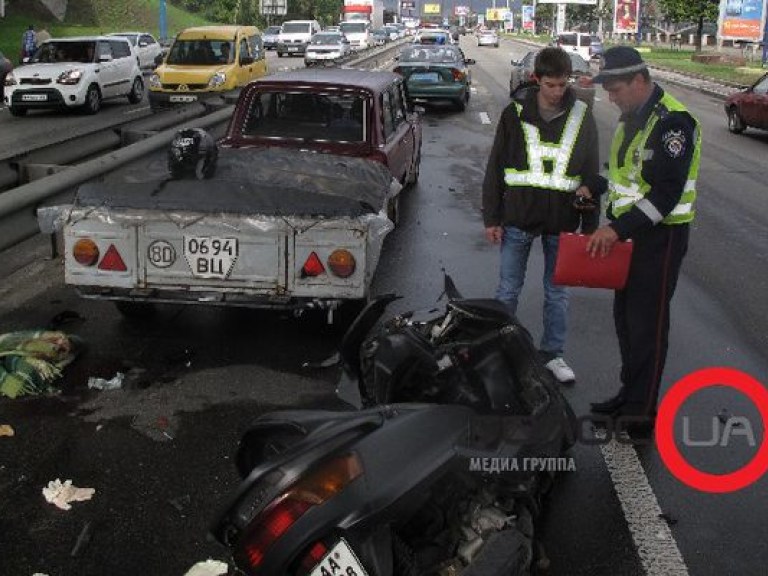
<point x="279" y="54"/>
<point x="346" y="313"/>
<point x="18" y="111"/>
<point x="735" y="123"/>
<point x="136" y="94"/>
<point x="461" y="104"/>
<point x="92" y="100"/>
<point x="135" y="310"/>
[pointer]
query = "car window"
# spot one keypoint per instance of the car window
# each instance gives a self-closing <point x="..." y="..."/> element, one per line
<point x="295" y="28"/>
<point x="273" y="30"/>
<point x="761" y="87"/>
<point x="399" y="111"/>
<point x="120" y="49"/>
<point x="55" y="52"/>
<point x="567" y="39"/>
<point x="387" y="114"/>
<point x="306" y="116"/>
<point x="326" y="38"/>
<point x="148" y="39"/>
<point x="257" y="46"/>
<point x="197" y="52"/>
<point x="437" y="54"/>
<point x="104" y="49"/>
<point x="585" y="39"/>
<point x="244" y="49"/>
<point x="132" y="38"/>
<point x="353" y="27"/>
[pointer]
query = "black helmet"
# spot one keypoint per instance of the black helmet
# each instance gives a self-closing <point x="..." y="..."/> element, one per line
<point x="193" y="151"/>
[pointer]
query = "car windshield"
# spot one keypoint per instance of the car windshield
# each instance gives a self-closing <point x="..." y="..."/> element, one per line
<point x="273" y="30"/>
<point x="326" y="39"/>
<point x="352" y="27"/>
<point x="436" y="54"/>
<point x="567" y="39"/>
<point x="56" y="52"/>
<point x="132" y="38"/>
<point x="295" y="28"/>
<point x="307" y="116"/>
<point x="200" y="52"/>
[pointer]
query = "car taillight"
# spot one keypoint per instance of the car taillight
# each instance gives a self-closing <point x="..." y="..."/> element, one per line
<point x="342" y="263"/>
<point x="85" y="252"/>
<point x="312" y="267"/>
<point x="458" y="75"/>
<point x="112" y="261"/>
<point x="321" y="485"/>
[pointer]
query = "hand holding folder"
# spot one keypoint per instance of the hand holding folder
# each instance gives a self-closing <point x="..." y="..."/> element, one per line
<point x="575" y="266"/>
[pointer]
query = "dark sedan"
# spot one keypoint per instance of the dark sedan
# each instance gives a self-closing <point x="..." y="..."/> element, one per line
<point x="748" y="108"/>
<point x="522" y="76"/>
<point x="436" y="73"/>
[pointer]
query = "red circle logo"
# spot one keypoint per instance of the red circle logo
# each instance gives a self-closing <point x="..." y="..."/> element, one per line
<point x="665" y="441"/>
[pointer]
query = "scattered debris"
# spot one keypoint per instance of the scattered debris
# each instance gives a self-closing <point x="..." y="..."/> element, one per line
<point x="329" y="362"/>
<point x="101" y="384"/>
<point x="181" y="502"/>
<point x="668" y="519"/>
<point x="82" y="540"/>
<point x="7" y="430"/>
<point x="62" y="494"/>
<point x="31" y="360"/>
<point x="208" y="568"/>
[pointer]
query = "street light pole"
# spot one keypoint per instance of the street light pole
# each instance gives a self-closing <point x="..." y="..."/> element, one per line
<point x="163" y="22"/>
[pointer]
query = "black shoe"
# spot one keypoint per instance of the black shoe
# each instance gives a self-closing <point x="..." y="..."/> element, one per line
<point x="608" y="406"/>
<point x="634" y="419"/>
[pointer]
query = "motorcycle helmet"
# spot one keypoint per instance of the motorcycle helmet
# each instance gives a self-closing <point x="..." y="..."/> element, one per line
<point x="193" y="152"/>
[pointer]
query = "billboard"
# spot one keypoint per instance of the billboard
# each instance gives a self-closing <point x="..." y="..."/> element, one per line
<point x="528" y="18"/>
<point x="274" y="7"/>
<point x="742" y="20"/>
<point x="461" y="10"/>
<point x="625" y="16"/>
<point x="431" y="8"/>
<point x="496" y="14"/>
<point x="588" y="2"/>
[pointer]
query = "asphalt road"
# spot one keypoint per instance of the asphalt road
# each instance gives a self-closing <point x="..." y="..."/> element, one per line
<point x="158" y="452"/>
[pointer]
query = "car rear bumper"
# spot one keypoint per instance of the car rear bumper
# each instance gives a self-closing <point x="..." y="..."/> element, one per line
<point x="436" y="92"/>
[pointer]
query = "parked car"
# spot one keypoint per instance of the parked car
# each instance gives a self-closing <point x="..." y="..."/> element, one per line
<point x="271" y="36"/>
<point x="207" y="60"/>
<point x="436" y="73"/>
<point x="488" y="38"/>
<point x="78" y="72"/>
<point x="577" y="42"/>
<point x="748" y="108"/>
<point x="522" y="74"/>
<point x="327" y="48"/>
<point x="145" y="46"/>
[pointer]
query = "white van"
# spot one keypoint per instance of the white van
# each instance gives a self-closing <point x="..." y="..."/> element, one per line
<point x="295" y="35"/>
<point x="358" y="32"/>
<point x="577" y="42"/>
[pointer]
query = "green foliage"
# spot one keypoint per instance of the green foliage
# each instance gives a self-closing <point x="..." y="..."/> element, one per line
<point x="689" y="10"/>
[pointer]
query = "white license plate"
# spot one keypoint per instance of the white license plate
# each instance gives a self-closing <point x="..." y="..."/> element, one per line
<point x="426" y="77"/>
<point x="183" y="98"/>
<point x="339" y="561"/>
<point x="210" y="256"/>
<point x="34" y="97"/>
<point x="293" y="49"/>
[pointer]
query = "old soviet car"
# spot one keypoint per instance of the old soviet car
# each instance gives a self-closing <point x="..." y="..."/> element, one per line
<point x="748" y="108"/>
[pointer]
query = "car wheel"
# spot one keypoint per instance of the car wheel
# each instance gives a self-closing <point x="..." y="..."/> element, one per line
<point x="92" y="100"/>
<point x="461" y="103"/>
<point x="279" y="54"/>
<point x="735" y="123"/>
<point x="137" y="91"/>
<point x="18" y="111"/>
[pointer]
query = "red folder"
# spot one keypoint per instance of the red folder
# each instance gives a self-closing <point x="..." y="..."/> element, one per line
<point x="575" y="267"/>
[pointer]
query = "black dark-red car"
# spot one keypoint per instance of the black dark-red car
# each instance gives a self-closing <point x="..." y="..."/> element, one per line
<point x="748" y="108"/>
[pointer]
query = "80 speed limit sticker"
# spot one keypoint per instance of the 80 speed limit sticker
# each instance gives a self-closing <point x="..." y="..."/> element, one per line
<point x="161" y="253"/>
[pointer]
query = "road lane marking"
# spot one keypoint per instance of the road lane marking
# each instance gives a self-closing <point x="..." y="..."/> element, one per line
<point x="136" y="110"/>
<point x="652" y="536"/>
<point x="484" y="118"/>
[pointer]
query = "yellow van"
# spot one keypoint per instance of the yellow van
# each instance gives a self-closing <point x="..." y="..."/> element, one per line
<point x="207" y="60"/>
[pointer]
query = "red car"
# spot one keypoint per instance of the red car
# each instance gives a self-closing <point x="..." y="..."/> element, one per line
<point x="748" y="108"/>
<point x="337" y="111"/>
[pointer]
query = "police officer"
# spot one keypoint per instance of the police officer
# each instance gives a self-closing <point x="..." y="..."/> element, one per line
<point x="545" y="154"/>
<point x="653" y="166"/>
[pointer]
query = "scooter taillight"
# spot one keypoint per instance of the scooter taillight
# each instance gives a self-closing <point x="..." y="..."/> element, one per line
<point x="312" y="558"/>
<point x="320" y="485"/>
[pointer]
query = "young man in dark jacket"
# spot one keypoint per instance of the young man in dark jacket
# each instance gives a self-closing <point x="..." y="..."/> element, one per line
<point x="544" y="158"/>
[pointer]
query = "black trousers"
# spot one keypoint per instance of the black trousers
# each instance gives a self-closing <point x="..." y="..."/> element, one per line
<point x="641" y="311"/>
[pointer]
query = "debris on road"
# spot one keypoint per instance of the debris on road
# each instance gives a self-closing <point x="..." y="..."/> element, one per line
<point x="329" y="362"/>
<point x="115" y="383"/>
<point x="7" y="430"/>
<point x="61" y="494"/>
<point x="208" y="568"/>
<point x="31" y="360"/>
<point x="82" y="539"/>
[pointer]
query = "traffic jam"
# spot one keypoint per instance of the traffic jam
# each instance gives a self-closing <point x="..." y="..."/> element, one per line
<point x="264" y="309"/>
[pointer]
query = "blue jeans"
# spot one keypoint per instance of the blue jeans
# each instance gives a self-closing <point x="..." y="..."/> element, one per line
<point x="515" y="248"/>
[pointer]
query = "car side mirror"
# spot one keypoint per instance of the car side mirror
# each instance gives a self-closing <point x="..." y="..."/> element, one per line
<point x="105" y="58"/>
<point x="470" y="61"/>
<point x="246" y="60"/>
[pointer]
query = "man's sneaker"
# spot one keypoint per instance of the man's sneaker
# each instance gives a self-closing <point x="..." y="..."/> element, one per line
<point x="561" y="370"/>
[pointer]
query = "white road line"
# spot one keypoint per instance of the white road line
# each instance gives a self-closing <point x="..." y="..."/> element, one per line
<point x="484" y="118"/>
<point x="653" y="538"/>
<point x="136" y="110"/>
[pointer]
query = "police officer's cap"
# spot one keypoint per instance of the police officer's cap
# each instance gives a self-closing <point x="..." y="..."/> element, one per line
<point x="618" y="62"/>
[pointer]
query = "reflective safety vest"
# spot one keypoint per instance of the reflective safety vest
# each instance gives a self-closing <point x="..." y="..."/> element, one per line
<point x="558" y="152"/>
<point x="626" y="185"/>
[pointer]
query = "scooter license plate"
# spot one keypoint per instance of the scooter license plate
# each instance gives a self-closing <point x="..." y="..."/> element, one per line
<point x="341" y="561"/>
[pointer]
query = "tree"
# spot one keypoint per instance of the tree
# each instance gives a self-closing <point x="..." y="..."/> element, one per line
<point x="698" y="11"/>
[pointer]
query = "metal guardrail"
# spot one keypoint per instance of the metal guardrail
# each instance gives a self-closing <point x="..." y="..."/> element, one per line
<point x="52" y="181"/>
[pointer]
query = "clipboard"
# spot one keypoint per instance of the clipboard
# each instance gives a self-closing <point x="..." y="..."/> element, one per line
<point x="575" y="267"/>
